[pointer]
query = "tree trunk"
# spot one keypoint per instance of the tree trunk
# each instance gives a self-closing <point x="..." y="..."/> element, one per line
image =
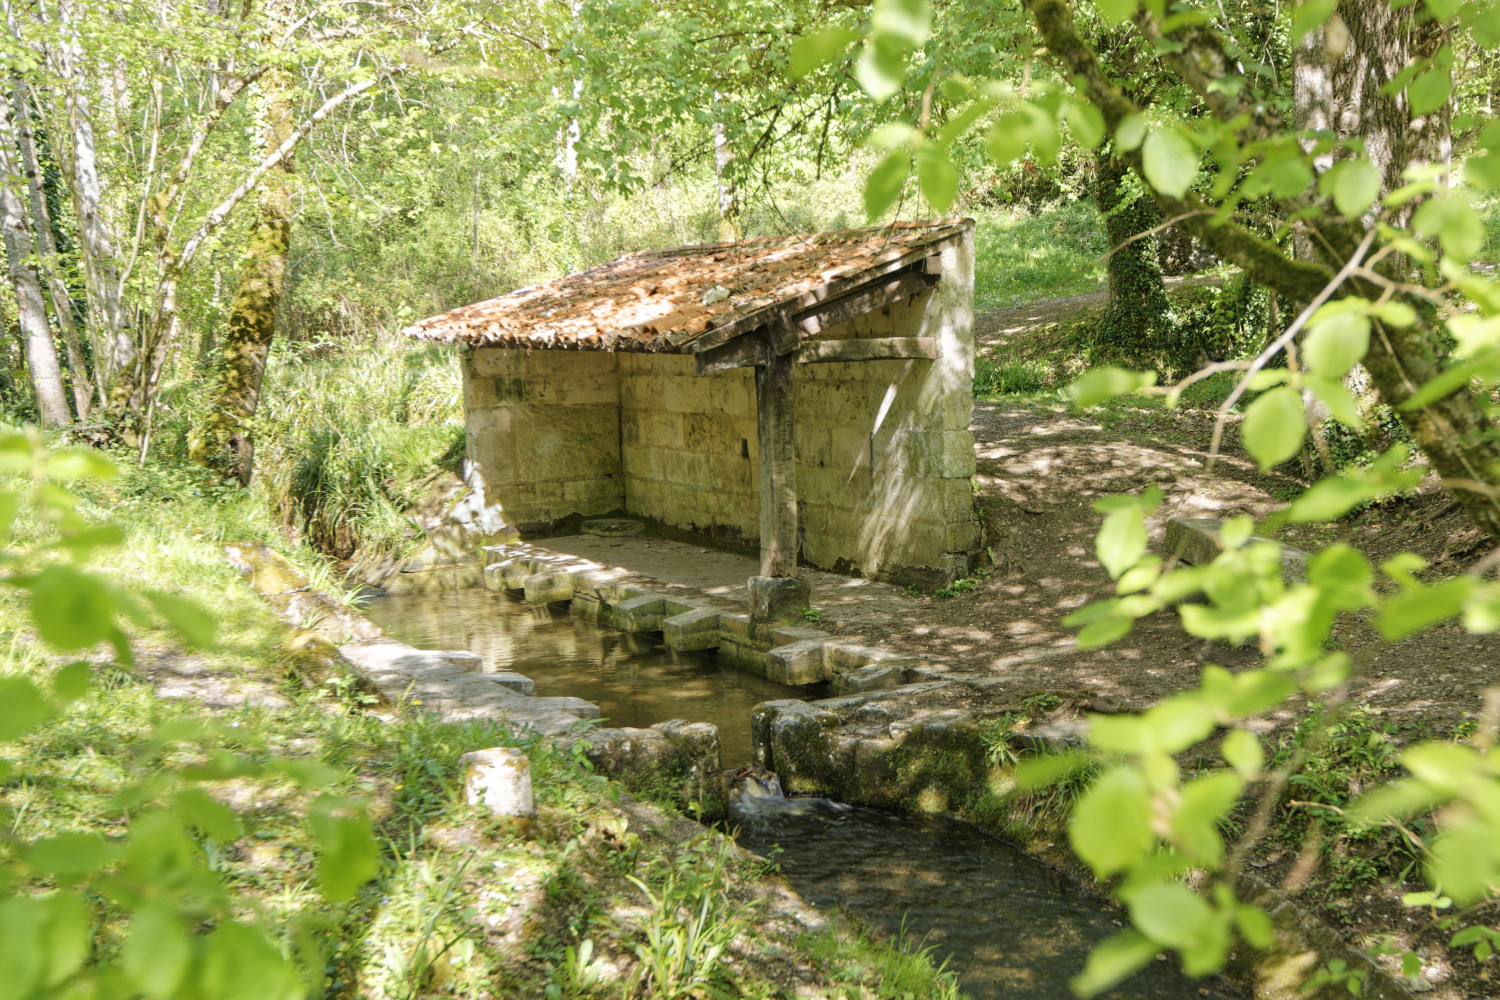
<point x="730" y="230"/>
<point x="225" y="442"/>
<point x="31" y="308"/>
<point x="1138" y="307"/>
<point x="62" y="301"/>
<point x="101" y="271"/>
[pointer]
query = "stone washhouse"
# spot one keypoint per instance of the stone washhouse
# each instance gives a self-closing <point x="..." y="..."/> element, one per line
<point x="806" y="396"/>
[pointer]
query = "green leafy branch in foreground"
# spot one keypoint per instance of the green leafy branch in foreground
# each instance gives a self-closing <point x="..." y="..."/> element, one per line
<point x="1144" y="822"/>
<point x="142" y="879"/>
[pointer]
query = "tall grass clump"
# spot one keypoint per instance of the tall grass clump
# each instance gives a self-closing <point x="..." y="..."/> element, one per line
<point x="352" y="434"/>
<point x="999" y="378"/>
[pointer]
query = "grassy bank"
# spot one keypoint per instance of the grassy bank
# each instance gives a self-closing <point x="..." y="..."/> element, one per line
<point x="599" y="897"/>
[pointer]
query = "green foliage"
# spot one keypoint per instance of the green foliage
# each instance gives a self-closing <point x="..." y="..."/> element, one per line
<point x="1023" y="256"/>
<point x="999" y="378"/>
<point x="145" y="859"/>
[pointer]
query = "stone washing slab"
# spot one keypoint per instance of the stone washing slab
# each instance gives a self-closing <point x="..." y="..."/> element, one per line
<point x="1197" y="542"/>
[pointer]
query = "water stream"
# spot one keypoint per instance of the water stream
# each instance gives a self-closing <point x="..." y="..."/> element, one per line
<point x="1010" y="927"/>
<point x="634" y="679"/>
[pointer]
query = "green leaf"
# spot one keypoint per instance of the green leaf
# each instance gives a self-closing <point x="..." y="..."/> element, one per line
<point x="72" y="610"/>
<point x="1309" y="17"/>
<point x="1044" y="770"/>
<point x="891" y="135"/>
<point x="1121" y="541"/>
<point x="1113" y="960"/>
<point x="348" y="857"/>
<point x="190" y="621"/>
<point x="66" y="936"/>
<point x="1114" y="12"/>
<point x="1006" y="142"/>
<point x="156" y="951"/>
<point x="1244" y="753"/>
<point x="1170" y="161"/>
<point x="1255" y="927"/>
<point x="1086" y="122"/>
<point x="907" y="21"/>
<point x="1334" y="394"/>
<point x="1131" y="132"/>
<point x="79" y="464"/>
<point x="882" y="68"/>
<point x="1415" y="610"/>
<point x="884" y="184"/>
<point x="937" y="176"/>
<point x="71" y="683"/>
<point x="1168" y="913"/>
<point x="1429" y="91"/>
<point x="1204" y="802"/>
<point x="22" y="708"/>
<point x="1337" y="343"/>
<point x="1098" y="384"/>
<point x="1465" y="861"/>
<point x="241" y="964"/>
<point x="1454" y="223"/>
<point x="21" y="955"/>
<point x="70" y="855"/>
<point x="1111" y="825"/>
<point x="1354" y="185"/>
<point x="818" y="49"/>
<point x="1274" y="426"/>
<point x="1099" y="634"/>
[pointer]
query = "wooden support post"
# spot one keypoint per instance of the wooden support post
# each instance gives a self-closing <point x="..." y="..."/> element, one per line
<point x="778" y="469"/>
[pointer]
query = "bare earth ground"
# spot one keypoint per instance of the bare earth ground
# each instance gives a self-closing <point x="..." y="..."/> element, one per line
<point x="1040" y="469"/>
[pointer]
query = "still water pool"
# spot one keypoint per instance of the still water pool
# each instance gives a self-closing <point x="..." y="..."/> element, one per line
<point x="634" y="679"/>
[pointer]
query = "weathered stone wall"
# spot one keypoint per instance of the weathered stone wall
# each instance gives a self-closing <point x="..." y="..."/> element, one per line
<point x="689" y="445"/>
<point x="890" y="496"/>
<point x="884" y="452"/>
<point x="544" y="433"/>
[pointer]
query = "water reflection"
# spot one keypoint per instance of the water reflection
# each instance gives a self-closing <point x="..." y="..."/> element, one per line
<point x="1009" y="927"/>
<point x="633" y="679"/>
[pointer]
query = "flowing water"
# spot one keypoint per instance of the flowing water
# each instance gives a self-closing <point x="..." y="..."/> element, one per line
<point x="1007" y="925"/>
<point x="634" y="679"/>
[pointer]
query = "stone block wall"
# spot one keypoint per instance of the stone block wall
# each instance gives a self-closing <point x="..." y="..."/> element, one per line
<point x="553" y="434"/>
<point x="688" y="446"/>
<point x="544" y="433"/>
<point x="890" y="496"/>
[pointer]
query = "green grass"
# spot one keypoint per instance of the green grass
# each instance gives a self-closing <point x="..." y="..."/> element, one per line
<point x="425" y="925"/>
<point x="1022" y="257"/>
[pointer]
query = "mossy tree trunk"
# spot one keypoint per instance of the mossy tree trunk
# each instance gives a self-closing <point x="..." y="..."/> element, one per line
<point x="225" y="442"/>
<point x="1138" y="307"/>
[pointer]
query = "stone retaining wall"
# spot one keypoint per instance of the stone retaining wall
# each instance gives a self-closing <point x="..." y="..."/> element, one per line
<point x="786" y="654"/>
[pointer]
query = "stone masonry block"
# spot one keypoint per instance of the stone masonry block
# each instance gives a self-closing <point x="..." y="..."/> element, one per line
<point x="697" y="629"/>
<point x="548" y="588"/>
<point x="796" y="633"/>
<point x="640" y="614"/>
<point x="800" y="662"/>
<point x="876" y="677"/>
<point x="511" y="681"/>
<point x="963" y="536"/>
<point x="778" y="599"/>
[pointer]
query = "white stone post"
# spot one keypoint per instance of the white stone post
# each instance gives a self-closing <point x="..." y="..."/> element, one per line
<point x="499" y="780"/>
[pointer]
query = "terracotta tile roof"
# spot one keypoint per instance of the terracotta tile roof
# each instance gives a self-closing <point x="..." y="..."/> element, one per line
<point x="664" y="300"/>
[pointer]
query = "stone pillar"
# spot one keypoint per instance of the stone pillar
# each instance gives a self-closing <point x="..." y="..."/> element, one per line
<point x="499" y="781"/>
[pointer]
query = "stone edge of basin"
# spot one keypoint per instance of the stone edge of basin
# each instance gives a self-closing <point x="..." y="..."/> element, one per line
<point x="1197" y="541"/>
<point x="795" y="655"/>
<point x="329" y="638"/>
